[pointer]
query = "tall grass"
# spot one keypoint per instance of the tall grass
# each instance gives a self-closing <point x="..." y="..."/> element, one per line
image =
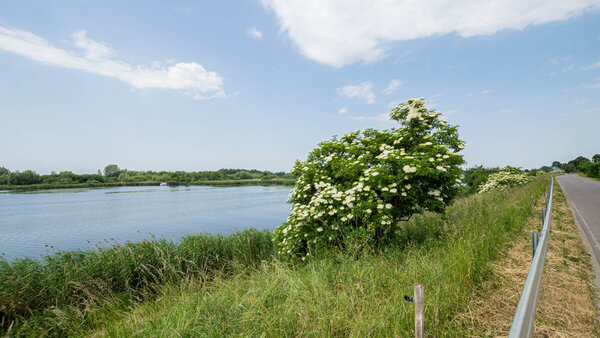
<point x="77" y="278"/>
<point x="332" y="294"/>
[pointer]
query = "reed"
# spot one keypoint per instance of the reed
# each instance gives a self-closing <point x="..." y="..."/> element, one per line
<point x="75" y="278"/>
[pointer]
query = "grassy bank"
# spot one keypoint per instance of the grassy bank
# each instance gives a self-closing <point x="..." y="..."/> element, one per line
<point x="275" y="181"/>
<point x="129" y="272"/>
<point x="332" y="294"/>
<point x="75" y="186"/>
<point x="587" y="176"/>
<point x="567" y="294"/>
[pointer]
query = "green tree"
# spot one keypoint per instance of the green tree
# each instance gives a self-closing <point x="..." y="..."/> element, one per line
<point x="579" y="162"/>
<point x="475" y="177"/>
<point x="112" y="170"/>
<point x="24" y="178"/>
<point x="364" y="184"/>
<point x="4" y="171"/>
<point x="596" y="158"/>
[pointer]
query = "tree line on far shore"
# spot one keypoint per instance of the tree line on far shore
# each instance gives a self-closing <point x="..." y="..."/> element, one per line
<point x="113" y="174"/>
<point x="473" y="177"/>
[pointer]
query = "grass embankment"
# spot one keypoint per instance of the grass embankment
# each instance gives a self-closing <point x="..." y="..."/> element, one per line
<point x="566" y="303"/>
<point x="64" y="284"/>
<point x="275" y="181"/>
<point x="329" y="295"/>
<point x="75" y="186"/>
<point x="586" y="176"/>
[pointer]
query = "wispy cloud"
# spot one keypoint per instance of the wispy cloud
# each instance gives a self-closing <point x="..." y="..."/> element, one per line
<point x="592" y="86"/>
<point x="581" y="112"/>
<point x="336" y="34"/>
<point x="343" y="111"/>
<point x="392" y="87"/>
<point x="378" y="118"/>
<point x="255" y="33"/>
<point x="97" y="58"/>
<point x="363" y="91"/>
<point x="568" y="68"/>
<point x="594" y="65"/>
<point x="485" y="92"/>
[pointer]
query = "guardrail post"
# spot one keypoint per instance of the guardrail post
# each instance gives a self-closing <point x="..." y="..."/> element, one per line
<point x="543" y="215"/>
<point x="419" y="311"/>
<point x="535" y="239"/>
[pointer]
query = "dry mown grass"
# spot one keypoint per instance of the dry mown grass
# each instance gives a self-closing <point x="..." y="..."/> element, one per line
<point x="566" y="304"/>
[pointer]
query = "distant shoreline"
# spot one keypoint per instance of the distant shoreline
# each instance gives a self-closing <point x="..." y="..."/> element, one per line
<point x="269" y="182"/>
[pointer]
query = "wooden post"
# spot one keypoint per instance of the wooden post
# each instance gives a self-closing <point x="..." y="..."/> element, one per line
<point x="419" y="312"/>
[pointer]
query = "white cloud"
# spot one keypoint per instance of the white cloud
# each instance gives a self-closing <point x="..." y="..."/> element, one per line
<point x="485" y="92"/>
<point x="363" y="91"/>
<point x="255" y="33"/>
<point x="343" y="111"/>
<point x="340" y="33"/>
<point x="392" y="87"/>
<point x="97" y="58"/>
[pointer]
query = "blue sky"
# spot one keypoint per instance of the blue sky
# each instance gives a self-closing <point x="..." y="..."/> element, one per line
<point x="190" y="85"/>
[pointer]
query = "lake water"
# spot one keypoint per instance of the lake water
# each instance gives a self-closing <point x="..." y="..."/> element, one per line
<point x="68" y="219"/>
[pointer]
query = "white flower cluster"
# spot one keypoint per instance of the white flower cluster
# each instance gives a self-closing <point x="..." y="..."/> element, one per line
<point x="505" y="178"/>
<point x="374" y="178"/>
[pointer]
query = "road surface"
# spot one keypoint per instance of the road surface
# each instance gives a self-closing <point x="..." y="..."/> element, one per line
<point x="583" y="195"/>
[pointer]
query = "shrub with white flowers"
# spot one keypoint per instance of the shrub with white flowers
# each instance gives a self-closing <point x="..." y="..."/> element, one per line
<point x="505" y="178"/>
<point x="364" y="184"/>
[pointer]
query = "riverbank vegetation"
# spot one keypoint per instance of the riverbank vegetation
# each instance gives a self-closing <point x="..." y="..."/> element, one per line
<point x="213" y="285"/>
<point x="113" y="176"/>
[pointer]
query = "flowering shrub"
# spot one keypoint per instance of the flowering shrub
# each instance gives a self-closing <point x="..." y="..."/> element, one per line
<point x="505" y="178"/>
<point x="353" y="191"/>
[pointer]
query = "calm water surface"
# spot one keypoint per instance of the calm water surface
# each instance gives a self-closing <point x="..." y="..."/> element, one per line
<point x="68" y="219"/>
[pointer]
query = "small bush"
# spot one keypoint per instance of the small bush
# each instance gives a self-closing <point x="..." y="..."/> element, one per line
<point x="506" y="177"/>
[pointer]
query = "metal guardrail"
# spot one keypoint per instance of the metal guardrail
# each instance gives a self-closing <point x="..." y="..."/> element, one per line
<point x="525" y="316"/>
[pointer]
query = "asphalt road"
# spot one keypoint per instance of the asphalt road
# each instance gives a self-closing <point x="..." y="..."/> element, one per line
<point x="583" y="195"/>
